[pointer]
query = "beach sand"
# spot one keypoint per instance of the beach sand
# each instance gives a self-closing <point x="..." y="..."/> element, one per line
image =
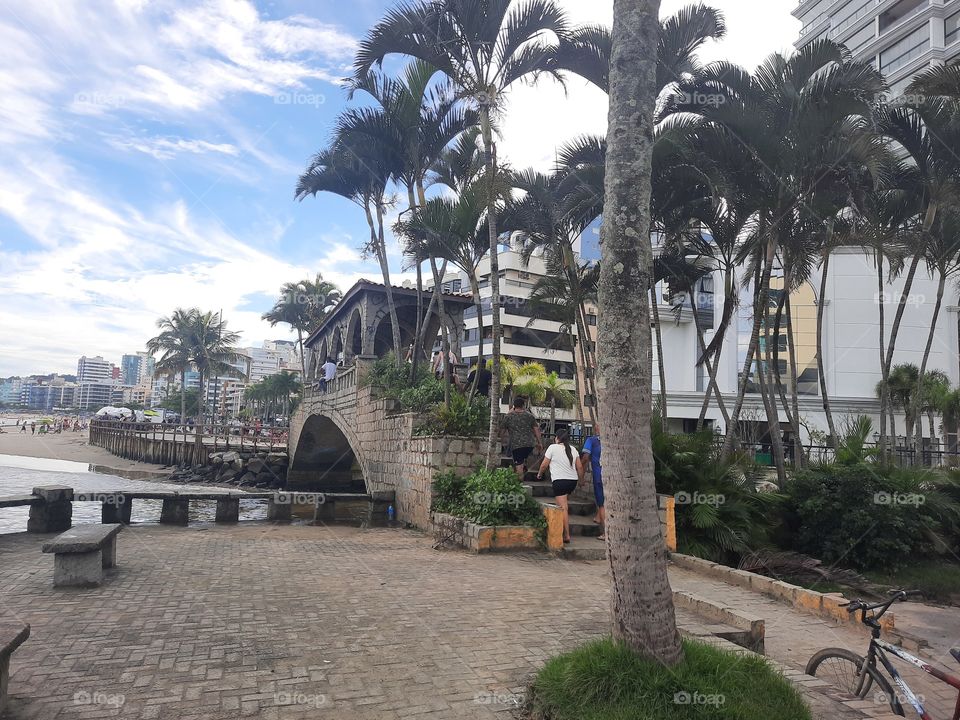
<point x="69" y="446"/>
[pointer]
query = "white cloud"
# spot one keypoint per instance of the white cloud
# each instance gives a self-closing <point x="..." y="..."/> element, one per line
<point x="163" y="148"/>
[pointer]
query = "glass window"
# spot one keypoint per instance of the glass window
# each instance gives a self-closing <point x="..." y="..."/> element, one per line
<point x="952" y="29"/>
<point x="861" y="38"/>
<point x="906" y="50"/>
<point x="848" y="16"/>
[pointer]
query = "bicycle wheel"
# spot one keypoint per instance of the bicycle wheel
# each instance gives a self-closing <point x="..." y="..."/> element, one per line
<point x="841" y="668"/>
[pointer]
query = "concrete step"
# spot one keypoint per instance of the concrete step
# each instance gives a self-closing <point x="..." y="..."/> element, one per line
<point x="576" y="507"/>
<point x="584" y="548"/>
<point x="540" y="488"/>
<point x="584" y="526"/>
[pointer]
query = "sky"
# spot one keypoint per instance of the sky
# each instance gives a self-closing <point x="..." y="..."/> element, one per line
<point x="149" y="150"/>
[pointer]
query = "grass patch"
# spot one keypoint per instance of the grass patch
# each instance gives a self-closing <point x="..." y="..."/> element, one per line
<point x="604" y="680"/>
<point x="938" y="579"/>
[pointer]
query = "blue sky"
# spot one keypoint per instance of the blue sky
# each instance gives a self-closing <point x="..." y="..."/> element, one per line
<point x="149" y="150"/>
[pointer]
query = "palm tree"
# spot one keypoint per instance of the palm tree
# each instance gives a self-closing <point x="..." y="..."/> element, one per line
<point x="935" y="387"/>
<point x="483" y="47"/>
<point x="557" y="394"/>
<point x="788" y="111"/>
<point x="175" y="345"/>
<point x="359" y="168"/>
<point x="641" y="600"/>
<point x="212" y="348"/>
<point x="303" y="305"/>
<point x="521" y="379"/>
<point x="950" y="410"/>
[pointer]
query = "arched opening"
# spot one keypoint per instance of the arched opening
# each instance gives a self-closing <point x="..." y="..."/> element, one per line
<point x="355" y="334"/>
<point x="321" y="356"/>
<point x="337" y="345"/>
<point x="324" y="460"/>
<point x="383" y="338"/>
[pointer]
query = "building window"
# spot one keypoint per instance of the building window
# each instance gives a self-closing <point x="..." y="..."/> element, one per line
<point x="591" y="319"/>
<point x="952" y="29"/>
<point x="524" y="275"/>
<point x="848" y="16"/>
<point x="902" y="53"/>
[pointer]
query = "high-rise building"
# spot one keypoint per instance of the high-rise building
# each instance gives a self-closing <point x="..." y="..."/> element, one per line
<point x="94" y="369"/>
<point x="901" y="38"/>
<point x="130" y="369"/>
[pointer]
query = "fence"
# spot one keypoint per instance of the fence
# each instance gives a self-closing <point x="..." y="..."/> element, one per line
<point x="165" y="444"/>
<point x="900" y="454"/>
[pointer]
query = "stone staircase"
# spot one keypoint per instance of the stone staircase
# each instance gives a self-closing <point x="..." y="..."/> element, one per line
<point x="584" y="533"/>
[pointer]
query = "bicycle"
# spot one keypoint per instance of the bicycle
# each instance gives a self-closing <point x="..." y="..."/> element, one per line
<point x="858" y="675"/>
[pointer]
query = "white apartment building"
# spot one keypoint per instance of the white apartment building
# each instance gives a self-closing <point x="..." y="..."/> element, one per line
<point x="901" y="37"/>
<point x="94" y="370"/>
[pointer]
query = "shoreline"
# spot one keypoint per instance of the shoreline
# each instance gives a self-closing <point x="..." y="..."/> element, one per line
<point x="75" y="447"/>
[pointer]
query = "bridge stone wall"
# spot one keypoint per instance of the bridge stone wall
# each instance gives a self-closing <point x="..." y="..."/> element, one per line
<point x="390" y="456"/>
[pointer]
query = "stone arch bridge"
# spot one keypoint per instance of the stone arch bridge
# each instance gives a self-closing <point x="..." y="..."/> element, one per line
<point x="346" y="438"/>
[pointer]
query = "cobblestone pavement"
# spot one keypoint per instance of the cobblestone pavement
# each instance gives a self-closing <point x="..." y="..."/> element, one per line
<point x="266" y="621"/>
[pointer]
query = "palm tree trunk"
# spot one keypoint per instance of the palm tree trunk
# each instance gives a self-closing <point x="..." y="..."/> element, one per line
<point x="762" y="292"/>
<point x="303" y="358"/>
<point x="415" y="352"/>
<point x="798" y="456"/>
<point x="712" y="383"/>
<point x="770" y="403"/>
<point x="576" y="390"/>
<point x="445" y="334"/>
<point x="884" y="372"/>
<point x="661" y="370"/>
<point x="588" y="364"/>
<point x="553" y="416"/>
<point x="377" y="240"/>
<point x="478" y="301"/>
<point x="901" y="307"/>
<point x="918" y="393"/>
<point x="490" y="163"/>
<point x="641" y="599"/>
<point x="821" y="372"/>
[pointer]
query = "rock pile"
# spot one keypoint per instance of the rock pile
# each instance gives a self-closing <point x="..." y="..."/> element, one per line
<point x="248" y="469"/>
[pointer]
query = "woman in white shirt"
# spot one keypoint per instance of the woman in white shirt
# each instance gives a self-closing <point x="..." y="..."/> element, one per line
<point x="566" y="472"/>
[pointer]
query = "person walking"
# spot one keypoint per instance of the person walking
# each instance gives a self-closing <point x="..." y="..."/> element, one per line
<point x="23" y="428"/>
<point x="33" y="427"/>
<point x="591" y="454"/>
<point x="482" y="376"/>
<point x="566" y="472"/>
<point x="523" y="434"/>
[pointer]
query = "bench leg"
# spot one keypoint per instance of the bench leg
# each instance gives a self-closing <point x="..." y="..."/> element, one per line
<point x="109" y="553"/>
<point x="175" y="511"/>
<point x="279" y="511"/>
<point x="78" y="569"/>
<point x="228" y="510"/>
<point x="116" y="511"/>
<point x="325" y="512"/>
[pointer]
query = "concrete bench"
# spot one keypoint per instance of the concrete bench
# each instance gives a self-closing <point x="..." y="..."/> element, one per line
<point x="81" y="554"/>
<point x="12" y="636"/>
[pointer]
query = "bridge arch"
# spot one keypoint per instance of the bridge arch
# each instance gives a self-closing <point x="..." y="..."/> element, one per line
<point x="328" y="457"/>
<point x="354" y="336"/>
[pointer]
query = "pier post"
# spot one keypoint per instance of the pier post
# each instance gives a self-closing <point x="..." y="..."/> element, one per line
<point x="55" y="511"/>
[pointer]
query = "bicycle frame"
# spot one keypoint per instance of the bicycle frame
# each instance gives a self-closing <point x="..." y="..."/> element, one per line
<point x="878" y="650"/>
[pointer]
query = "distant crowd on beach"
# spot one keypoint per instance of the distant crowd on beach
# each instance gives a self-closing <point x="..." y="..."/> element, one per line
<point x="48" y="426"/>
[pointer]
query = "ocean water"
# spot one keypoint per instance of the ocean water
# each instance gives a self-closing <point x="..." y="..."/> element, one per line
<point x="19" y="475"/>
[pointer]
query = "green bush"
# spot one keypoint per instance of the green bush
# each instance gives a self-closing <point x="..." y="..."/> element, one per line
<point x="720" y="514"/>
<point x="464" y="418"/>
<point x="604" y="680"/>
<point x="487" y="497"/>
<point x="869" y="515"/>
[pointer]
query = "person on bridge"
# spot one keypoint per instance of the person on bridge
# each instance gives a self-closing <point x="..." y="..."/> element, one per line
<point x="329" y="369"/>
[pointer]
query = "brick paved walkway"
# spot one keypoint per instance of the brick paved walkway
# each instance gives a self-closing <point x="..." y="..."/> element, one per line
<point x="274" y="622"/>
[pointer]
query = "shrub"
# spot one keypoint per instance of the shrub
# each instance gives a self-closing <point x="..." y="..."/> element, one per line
<point x="868" y="515"/>
<point x="464" y="418"/>
<point x="605" y="680"/>
<point x="720" y="514"/>
<point x="487" y="497"/>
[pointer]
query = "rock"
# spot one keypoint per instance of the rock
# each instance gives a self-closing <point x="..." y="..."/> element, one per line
<point x="255" y="465"/>
<point x="276" y="458"/>
<point x="217" y="459"/>
<point x="227" y="474"/>
<point x="247" y="479"/>
<point x="237" y="464"/>
<point x="229" y="457"/>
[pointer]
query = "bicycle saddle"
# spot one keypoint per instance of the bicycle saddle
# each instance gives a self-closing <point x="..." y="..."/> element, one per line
<point x="956" y="654"/>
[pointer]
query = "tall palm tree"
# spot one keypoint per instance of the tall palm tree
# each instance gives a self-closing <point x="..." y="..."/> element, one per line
<point x="175" y="345"/>
<point x="303" y="305"/>
<point x="641" y="600"/>
<point x="935" y="387"/>
<point x="483" y="47"/>
<point x="358" y="167"/>
<point x="787" y="111"/>
<point x="950" y="411"/>
<point x="212" y="348"/>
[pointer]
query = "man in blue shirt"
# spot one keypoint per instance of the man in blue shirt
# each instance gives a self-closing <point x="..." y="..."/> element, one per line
<point x="591" y="452"/>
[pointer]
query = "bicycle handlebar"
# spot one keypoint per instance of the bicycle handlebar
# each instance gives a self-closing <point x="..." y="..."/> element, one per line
<point x="896" y="596"/>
